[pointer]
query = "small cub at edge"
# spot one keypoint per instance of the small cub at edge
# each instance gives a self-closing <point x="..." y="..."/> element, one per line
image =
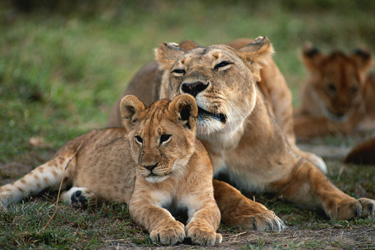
<point x="152" y="163"/>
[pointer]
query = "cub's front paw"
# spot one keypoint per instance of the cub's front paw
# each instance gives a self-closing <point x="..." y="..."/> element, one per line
<point x="169" y="234"/>
<point x="202" y="234"/>
<point x="266" y="220"/>
<point x="352" y="208"/>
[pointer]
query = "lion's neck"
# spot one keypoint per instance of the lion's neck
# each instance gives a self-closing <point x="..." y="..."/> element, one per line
<point x="223" y="141"/>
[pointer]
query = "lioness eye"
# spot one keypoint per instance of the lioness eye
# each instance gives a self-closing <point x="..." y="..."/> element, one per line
<point x="222" y="65"/>
<point x="139" y="139"/>
<point x="178" y="72"/>
<point x="164" y="138"/>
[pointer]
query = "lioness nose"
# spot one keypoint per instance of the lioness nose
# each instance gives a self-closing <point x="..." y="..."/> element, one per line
<point x="150" y="167"/>
<point x="193" y="88"/>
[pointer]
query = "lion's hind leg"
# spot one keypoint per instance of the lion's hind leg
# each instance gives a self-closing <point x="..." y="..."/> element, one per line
<point x="79" y="197"/>
<point x="46" y="176"/>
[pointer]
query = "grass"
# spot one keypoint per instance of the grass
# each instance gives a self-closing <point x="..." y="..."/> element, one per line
<point x="62" y="67"/>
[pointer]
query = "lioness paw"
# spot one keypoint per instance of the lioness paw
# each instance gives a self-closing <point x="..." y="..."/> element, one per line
<point x="266" y="220"/>
<point x="353" y="208"/>
<point x="169" y="234"/>
<point x="202" y="234"/>
<point x="368" y="207"/>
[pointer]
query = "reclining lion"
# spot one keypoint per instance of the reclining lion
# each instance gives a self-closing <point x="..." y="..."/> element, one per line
<point x="237" y="125"/>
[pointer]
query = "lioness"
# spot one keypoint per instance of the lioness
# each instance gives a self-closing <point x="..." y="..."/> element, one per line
<point x="338" y="95"/>
<point x="238" y="128"/>
<point x="155" y="163"/>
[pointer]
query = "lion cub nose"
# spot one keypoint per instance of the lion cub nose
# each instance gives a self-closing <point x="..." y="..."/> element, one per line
<point x="193" y="88"/>
<point x="150" y="167"/>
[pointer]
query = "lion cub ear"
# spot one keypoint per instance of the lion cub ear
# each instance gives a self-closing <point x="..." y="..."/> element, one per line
<point x="130" y="106"/>
<point x="167" y="54"/>
<point x="311" y="57"/>
<point x="363" y="61"/>
<point x="186" y="110"/>
<point x="257" y="53"/>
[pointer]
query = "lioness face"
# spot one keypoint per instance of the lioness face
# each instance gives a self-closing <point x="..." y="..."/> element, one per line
<point x="337" y="80"/>
<point x="221" y="79"/>
<point x="162" y="136"/>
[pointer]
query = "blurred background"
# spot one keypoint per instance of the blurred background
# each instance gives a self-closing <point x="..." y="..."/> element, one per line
<point x="63" y="63"/>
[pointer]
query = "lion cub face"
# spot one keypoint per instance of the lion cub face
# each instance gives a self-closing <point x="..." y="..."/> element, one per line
<point x="337" y="79"/>
<point x="161" y="137"/>
<point x="220" y="78"/>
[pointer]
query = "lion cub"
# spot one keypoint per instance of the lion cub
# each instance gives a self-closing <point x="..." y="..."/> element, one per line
<point x="155" y="162"/>
<point x="338" y="96"/>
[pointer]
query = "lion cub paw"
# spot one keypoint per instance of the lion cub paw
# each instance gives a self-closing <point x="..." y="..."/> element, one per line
<point x="202" y="234"/>
<point x="347" y="210"/>
<point x="169" y="234"/>
<point x="266" y="220"/>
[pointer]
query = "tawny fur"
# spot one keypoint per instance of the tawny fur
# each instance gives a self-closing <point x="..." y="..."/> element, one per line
<point x="239" y="129"/>
<point x="155" y="162"/>
<point x="363" y="153"/>
<point x="338" y="95"/>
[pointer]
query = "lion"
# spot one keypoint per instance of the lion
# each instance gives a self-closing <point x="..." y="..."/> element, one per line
<point x="363" y="153"/>
<point x="241" y="132"/>
<point x="153" y="163"/>
<point x="337" y="97"/>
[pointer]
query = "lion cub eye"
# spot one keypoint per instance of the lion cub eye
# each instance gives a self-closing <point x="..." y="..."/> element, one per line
<point x="139" y="139"/>
<point x="222" y="65"/>
<point x="331" y="89"/>
<point x="178" y="72"/>
<point x="165" y="138"/>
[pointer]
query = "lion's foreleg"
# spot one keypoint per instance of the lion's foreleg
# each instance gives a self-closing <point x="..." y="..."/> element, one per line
<point x="204" y="222"/>
<point x="157" y="220"/>
<point x="237" y="210"/>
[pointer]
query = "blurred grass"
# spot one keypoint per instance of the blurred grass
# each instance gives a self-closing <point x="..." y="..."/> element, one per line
<point x="64" y="63"/>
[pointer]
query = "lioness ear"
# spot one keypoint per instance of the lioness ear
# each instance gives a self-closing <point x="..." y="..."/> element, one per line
<point x="130" y="106"/>
<point x="363" y="60"/>
<point x="311" y="56"/>
<point x="186" y="110"/>
<point x="188" y="45"/>
<point x="257" y="53"/>
<point x="167" y="54"/>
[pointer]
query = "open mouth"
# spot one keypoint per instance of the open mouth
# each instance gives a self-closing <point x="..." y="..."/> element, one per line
<point x="205" y="114"/>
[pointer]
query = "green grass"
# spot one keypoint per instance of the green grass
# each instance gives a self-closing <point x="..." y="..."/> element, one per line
<point x="62" y="68"/>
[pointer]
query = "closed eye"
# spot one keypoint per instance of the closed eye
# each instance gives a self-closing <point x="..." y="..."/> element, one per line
<point x="222" y="65"/>
<point x="165" y="138"/>
<point x="178" y="72"/>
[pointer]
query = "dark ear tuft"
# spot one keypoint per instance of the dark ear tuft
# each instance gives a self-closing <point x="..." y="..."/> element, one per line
<point x="185" y="113"/>
<point x="185" y="109"/>
<point x="311" y="52"/>
<point x="362" y="53"/>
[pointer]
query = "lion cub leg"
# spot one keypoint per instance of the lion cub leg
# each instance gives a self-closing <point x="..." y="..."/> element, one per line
<point x="146" y="209"/>
<point x="237" y="210"/>
<point x="204" y="216"/>
<point x="46" y="176"/>
<point x="308" y="186"/>
<point x="79" y="197"/>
